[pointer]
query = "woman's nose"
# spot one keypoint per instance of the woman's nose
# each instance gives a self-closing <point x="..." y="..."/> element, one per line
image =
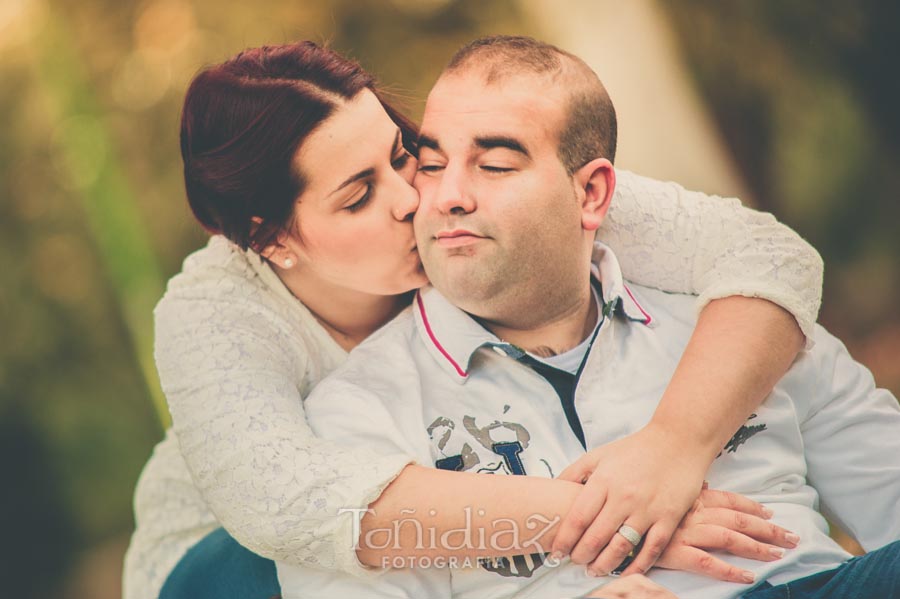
<point x="406" y="202"/>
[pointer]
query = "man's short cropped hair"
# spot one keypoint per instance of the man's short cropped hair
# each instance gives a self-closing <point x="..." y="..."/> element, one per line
<point x="589" y="129"/>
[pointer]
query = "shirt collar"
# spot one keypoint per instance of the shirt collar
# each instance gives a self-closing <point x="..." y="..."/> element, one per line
<point x="616" y="294"/>
<point x="449" y="333"/>
<point x="452" y="336"/>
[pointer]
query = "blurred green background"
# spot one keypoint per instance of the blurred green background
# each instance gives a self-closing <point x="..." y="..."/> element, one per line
<point x="802" y="97"/>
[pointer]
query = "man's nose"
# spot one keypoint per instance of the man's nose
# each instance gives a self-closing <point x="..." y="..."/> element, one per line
<point x="454" y="194"/>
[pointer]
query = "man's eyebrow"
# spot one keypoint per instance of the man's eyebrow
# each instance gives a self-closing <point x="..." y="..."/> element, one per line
<point x="490" y="142"/>
<point x="426" y="141"/>
<point x="369" y="171"/>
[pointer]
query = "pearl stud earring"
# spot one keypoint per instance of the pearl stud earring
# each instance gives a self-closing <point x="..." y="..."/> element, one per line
<point x="288" y="263"/>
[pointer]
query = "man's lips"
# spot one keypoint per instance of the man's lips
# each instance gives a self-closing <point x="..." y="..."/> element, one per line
<point x="456" y="238"/>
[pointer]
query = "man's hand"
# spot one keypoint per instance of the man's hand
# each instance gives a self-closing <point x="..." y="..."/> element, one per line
<point x="728" y="522"/>
<point x="632" y="587"/>
<point x="647" y="481"/>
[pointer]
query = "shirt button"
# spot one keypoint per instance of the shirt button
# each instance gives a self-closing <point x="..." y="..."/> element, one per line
<point x="500" y="350"/>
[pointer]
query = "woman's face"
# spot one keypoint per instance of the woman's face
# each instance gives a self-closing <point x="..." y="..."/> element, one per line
<point x="353" y="225"/>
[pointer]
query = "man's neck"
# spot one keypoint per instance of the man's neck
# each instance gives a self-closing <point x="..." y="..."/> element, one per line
<point x="555" y="335"/>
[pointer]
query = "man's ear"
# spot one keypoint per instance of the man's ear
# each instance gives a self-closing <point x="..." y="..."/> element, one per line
<point x="596" y="182"/>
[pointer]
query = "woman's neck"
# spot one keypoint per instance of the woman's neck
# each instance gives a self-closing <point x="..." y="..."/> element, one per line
<point x="348" y="315"/>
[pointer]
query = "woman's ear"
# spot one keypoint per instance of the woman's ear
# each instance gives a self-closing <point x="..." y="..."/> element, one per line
<point x="597" y="181"/>
<point x="277" y="253"/>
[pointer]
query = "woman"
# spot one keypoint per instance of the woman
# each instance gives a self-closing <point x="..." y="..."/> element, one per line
<point x="294" y="278"/>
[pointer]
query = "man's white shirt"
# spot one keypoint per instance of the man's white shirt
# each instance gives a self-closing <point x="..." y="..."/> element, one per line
<point x="437" y="386"/>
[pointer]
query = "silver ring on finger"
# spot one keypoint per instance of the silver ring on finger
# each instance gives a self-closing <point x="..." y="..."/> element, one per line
<point x="630" y="534"/>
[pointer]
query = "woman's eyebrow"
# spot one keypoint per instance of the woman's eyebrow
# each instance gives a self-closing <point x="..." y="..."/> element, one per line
<point x="369" y="171"/>
<point x="398" y="139"/>
<point x="353" y="178"/>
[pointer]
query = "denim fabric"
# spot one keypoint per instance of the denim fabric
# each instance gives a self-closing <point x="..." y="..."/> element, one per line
<point x="219" y="568"/>
<point x="875" y="575"/>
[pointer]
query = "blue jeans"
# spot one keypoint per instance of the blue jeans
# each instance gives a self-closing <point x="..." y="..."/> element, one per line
<point x="875" y="575"/>
<point x="219" y="568"/>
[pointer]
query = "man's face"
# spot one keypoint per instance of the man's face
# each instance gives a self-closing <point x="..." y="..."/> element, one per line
<point x="498" y="215"/>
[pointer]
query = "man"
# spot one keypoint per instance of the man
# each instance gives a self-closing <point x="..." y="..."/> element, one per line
<point x="511" y="195"/>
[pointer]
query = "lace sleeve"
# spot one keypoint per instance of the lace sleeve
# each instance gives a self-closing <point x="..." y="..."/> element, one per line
<point x="231" y="374"/>
<point x="688" y="242"/>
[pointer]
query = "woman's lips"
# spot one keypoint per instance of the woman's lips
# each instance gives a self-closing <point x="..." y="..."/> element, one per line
<point x="456" y="238"/>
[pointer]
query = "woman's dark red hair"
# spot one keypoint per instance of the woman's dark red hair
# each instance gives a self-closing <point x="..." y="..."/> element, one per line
<point x="244" y="120"/>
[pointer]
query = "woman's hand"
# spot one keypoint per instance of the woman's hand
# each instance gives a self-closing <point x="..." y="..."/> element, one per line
<point x="648" y="480"/>
<point x="632" y="587"/>
<point x="727" y="522"/>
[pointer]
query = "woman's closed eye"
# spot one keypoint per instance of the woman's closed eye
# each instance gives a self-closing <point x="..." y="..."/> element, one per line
<point x="398" y="163"/>
<point x="362" y="201"/>
<point x="401" y="161"/>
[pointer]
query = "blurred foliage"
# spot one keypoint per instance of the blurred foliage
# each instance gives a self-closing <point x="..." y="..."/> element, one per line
<point x="806" y="94"/>
<point x="36" y="515"/>
<point x="93" y="220"/>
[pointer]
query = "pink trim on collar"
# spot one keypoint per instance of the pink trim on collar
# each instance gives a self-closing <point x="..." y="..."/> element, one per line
<point x="434" y="340"/>
<point x="647" y="318"/>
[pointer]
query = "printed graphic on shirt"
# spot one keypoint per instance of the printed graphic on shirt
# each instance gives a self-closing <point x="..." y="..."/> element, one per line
<point x="742" y="436"/>
<point x="520" y="566"/>
<point x="494" y="448"/>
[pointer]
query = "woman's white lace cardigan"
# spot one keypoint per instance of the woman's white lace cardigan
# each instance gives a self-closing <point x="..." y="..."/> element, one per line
<point x="237" y="353"/>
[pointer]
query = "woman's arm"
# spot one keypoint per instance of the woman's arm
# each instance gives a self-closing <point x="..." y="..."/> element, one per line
<point x="480" y="504"/>
<point x="235" y="373"/>
<point x="737" y="353"/>
<point x="687" y="242"/>
<point x="446" y="501"/>
<point x="279" y="490"/>
<point x="235" y="376"/>
<point x="430" y="513"/>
